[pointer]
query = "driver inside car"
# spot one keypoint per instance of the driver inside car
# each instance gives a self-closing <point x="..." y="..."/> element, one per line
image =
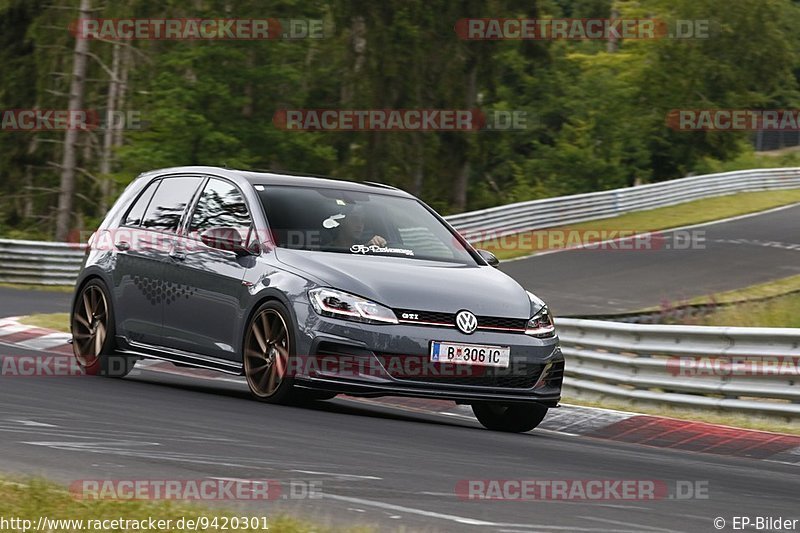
<point x="350" y="230"/>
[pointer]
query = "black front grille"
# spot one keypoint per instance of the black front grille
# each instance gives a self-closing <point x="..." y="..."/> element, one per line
<point x="499" y="322"/>
<point x="416" y="368"/>
<point x="432" y="318"/>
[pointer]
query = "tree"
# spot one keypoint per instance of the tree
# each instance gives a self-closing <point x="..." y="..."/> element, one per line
<point x="66" y="193"/>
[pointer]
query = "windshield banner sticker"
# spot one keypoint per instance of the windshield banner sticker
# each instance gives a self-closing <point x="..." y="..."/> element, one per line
<point x="375" y="249"/>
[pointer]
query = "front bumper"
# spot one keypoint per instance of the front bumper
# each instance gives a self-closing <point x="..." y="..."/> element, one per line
<point x="394" y="360"/>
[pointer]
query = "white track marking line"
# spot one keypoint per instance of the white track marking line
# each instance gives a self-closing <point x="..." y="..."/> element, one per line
<point x="421" y="512"/>
<point x="630" y="524"/>
<point x="33" y="423"/>
<point x="335" y="474"/>
<point x="472" y="521"/>
<point x="457" y="415"/>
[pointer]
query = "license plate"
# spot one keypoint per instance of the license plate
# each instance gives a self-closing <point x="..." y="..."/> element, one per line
<point x="470" y="354"/>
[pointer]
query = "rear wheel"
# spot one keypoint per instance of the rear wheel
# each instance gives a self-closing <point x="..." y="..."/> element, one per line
<point x="268" y="352"/>
<point x="514" y="418"/>
<point x="93" y="330"/>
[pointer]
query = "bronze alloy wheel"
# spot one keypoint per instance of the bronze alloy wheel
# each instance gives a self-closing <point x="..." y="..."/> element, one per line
<point x="266" y="354"/>
<point x="90" y="326"/>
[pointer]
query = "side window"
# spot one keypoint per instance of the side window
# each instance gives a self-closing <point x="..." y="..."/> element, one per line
<point x="169" y="202"/>
<point x="221" y="206"/>
<point x="136" y="212"/>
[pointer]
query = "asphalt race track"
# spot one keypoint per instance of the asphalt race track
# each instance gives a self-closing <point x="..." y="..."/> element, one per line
<point x="15" y="302"/>
<point x="377" y="466"/>
<point x="397" y="469"/>
<point x="734" y="254"/>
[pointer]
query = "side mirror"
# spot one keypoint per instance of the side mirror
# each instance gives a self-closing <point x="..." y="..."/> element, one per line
<point x="489" y="257"/>
<point x="227" y="239"/>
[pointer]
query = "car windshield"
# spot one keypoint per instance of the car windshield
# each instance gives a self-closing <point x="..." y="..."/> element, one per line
<point x="359" y="223"/>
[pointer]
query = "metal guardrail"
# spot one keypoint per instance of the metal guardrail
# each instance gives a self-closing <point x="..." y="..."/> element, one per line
<point x="655" y="363"/>
<point x="549" y="212"/>
<point x="40" y="263"/>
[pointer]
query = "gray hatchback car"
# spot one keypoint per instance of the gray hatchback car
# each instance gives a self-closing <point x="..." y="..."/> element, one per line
<point x="311" y="287"/>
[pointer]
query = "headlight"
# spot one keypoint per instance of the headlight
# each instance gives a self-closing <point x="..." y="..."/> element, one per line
<point x="541" y="324"/>
<point x="338" y="304"/>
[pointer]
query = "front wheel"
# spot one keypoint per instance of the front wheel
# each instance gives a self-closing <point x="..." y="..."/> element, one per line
<point x="268" y="354"/>
<point x="513" y="418"/>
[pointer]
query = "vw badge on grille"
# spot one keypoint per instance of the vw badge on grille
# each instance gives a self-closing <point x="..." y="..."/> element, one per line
<point x="466" y="322"/>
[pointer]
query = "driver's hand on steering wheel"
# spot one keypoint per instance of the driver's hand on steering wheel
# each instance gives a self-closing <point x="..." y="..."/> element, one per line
<point x="376" y="240"/>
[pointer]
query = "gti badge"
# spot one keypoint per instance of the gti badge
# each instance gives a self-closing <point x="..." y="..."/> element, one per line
<point x="466" y="322"/>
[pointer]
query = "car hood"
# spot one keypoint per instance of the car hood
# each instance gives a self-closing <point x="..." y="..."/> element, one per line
<point x="415" y="284"/>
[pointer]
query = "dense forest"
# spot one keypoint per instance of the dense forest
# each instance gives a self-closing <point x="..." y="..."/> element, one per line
<point x="596" y="110"/>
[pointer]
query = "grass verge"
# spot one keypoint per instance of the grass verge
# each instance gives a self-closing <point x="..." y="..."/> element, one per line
<point x="32" y="499"/>
<point x="56" y="321"/>
<point x="779" y="312"/>
<point x="770" y="289"/>
<point x="774" y="304"/>
<point x="662" y="218"/>
<point x="761" y="423"/>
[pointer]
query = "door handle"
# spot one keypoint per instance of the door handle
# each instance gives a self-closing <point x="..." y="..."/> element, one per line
<point x="177" y="256"/>
<point x="123" y="246"/>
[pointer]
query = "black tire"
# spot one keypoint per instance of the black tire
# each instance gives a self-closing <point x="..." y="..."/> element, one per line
<point x="265" y="354"/>
<point x="93" y="329"/>
<point x="309" y="395"/>
<point x="512" y="418"/>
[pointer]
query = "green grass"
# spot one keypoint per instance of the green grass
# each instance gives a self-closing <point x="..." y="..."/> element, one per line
<point x="774" y="304"/>
<point x="778" y="312"/>
<point x="56" y="321"/>
<point x="770" y="289"/>
<point x="762" y="423"/>
<point x="31" y="499"/>
<point x="662" y="218"/>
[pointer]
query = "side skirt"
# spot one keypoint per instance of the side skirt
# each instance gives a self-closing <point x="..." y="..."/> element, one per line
<point x="148" y="351"/>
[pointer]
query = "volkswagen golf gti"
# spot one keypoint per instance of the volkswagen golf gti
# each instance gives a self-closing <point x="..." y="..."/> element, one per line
<point x="311" y="287"/>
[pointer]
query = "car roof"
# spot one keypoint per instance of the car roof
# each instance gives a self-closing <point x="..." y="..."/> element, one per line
<point x="285" y="178"/>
